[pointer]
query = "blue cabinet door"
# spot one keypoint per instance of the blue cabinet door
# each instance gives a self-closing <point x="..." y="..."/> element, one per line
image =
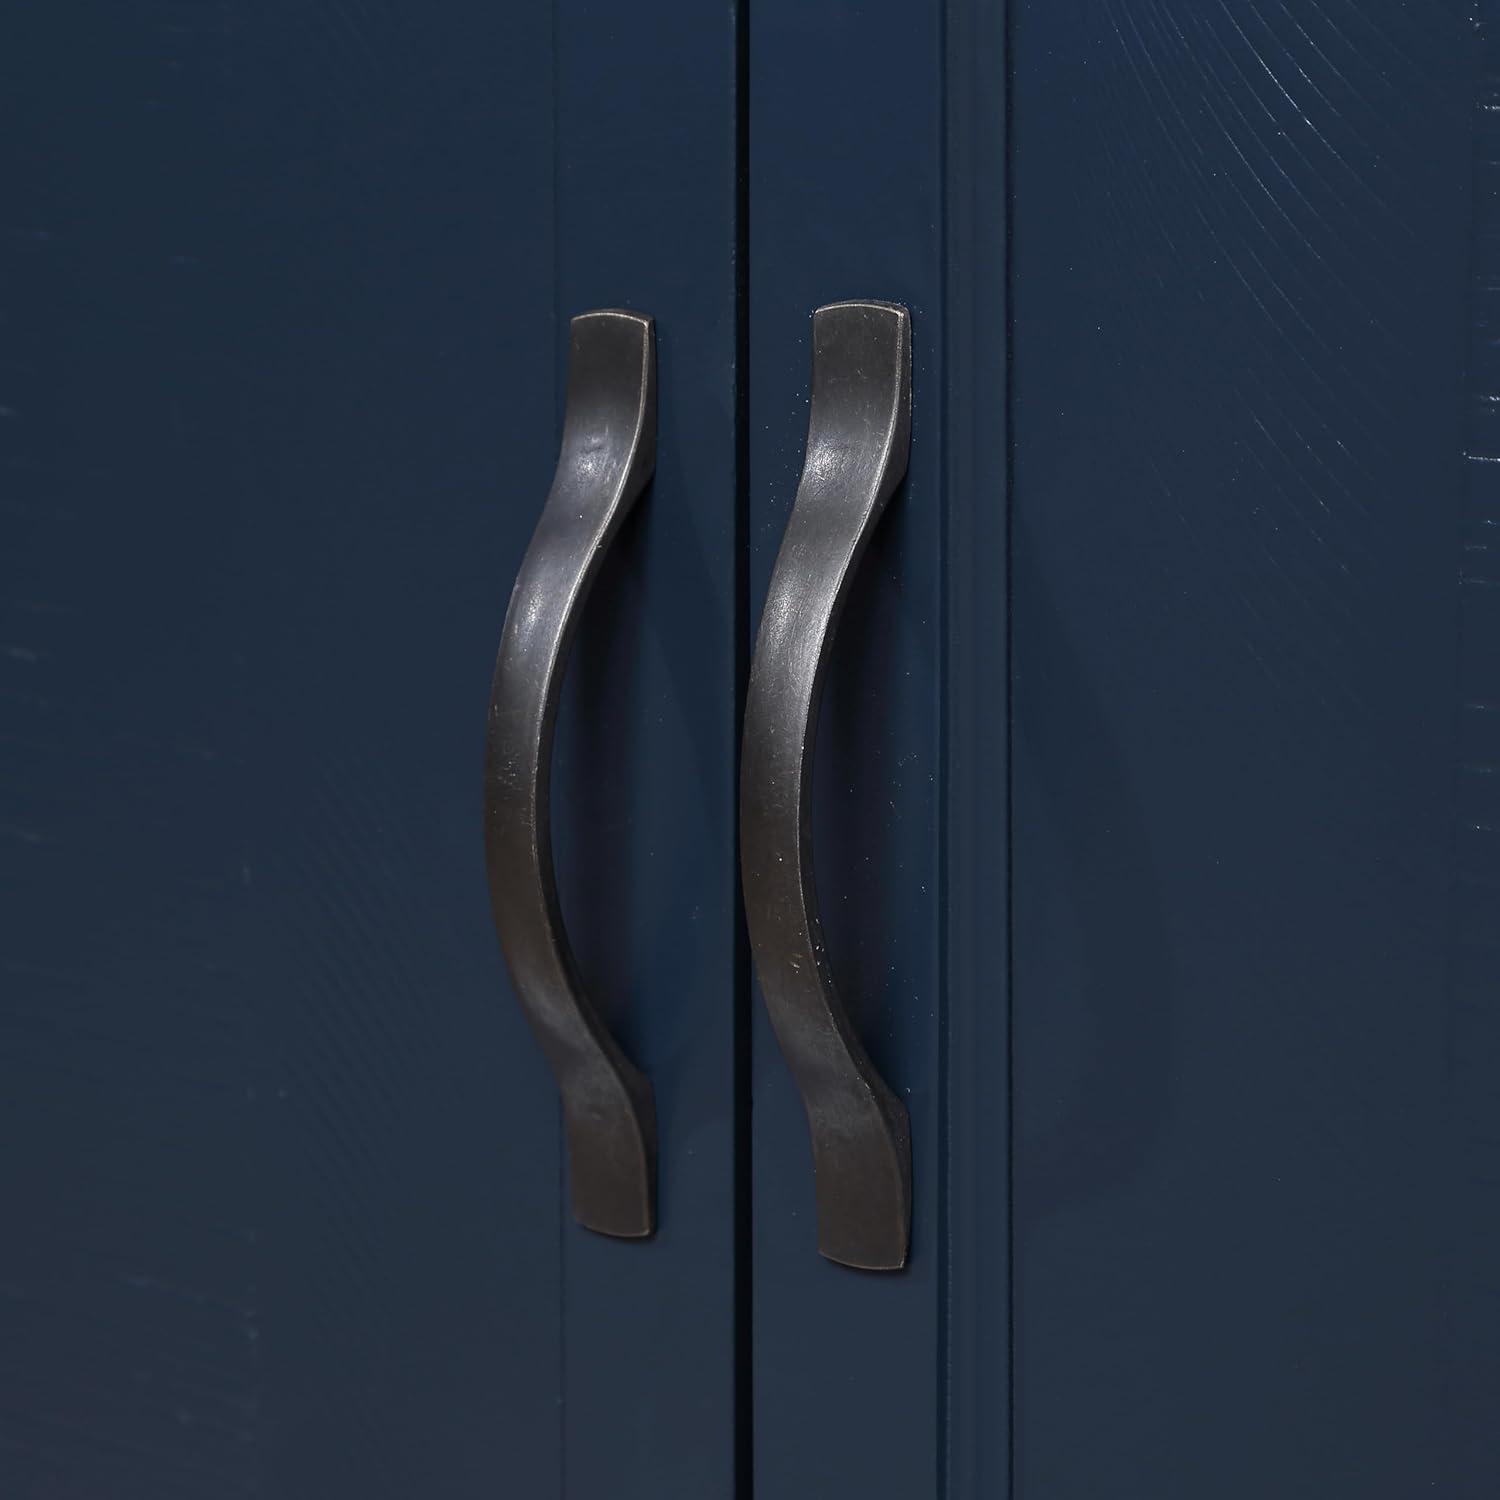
<point x="1257" y="664"/>
<point x="285" y="315"/>
<point x="1154" y="820"/>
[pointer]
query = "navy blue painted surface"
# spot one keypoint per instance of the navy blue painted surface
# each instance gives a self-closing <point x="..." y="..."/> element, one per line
<point x="1254" y="870"/>
<point x="286" y="290"/>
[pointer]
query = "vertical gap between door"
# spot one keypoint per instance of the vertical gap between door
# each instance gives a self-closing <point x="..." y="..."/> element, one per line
<point x="744" y="1240"/>
<point x="1007" y="26"/>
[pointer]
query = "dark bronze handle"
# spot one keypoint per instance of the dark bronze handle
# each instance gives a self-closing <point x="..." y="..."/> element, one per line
<point x="858" y="434"/>
<point x="608" y="455"/>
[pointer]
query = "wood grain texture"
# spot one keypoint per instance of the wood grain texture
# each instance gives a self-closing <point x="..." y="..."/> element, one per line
<point x="1243" y="236"/>
<point x="1469" y="1326"/>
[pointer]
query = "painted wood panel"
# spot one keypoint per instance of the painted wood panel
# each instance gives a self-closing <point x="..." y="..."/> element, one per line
<point x="1244" y="239"/>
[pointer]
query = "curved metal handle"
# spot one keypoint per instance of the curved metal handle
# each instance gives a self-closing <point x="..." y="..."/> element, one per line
<point x="858" y="435"/>
<point x="608" y="454"/>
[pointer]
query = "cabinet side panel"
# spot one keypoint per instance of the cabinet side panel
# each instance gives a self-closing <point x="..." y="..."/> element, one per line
<point x="1242" y="248"/>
